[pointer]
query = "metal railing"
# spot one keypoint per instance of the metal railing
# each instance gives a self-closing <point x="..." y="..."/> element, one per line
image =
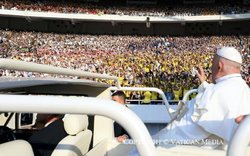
<point x="157" y="102"/>
<point x="160" y="92"/>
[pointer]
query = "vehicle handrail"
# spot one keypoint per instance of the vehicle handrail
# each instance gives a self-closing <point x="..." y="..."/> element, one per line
<point x="240" y="140"/>
<point x="159" y="102"/>
<point x="188" y="93"/>
<point x="160" y="92"/>
<point x="182" y="107"/>
<point x="41" y="68"/>
<point x="83" y="105"/>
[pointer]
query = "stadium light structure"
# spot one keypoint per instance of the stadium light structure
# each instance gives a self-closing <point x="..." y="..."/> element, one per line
<point x="113" y="23"/>
<point x="28" y="19"/>
<point x="73" y="22"/>
<point x="220" y="21"/>
<point x="148" y="22"/>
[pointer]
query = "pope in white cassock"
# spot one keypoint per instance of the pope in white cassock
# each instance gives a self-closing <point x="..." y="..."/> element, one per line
<point x="218" y="107"/>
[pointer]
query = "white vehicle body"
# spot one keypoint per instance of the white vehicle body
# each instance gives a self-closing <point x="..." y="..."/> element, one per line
<point x="42" y="96"/>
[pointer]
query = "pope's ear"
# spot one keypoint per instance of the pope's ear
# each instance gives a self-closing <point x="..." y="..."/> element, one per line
<point x="220" y="66"/>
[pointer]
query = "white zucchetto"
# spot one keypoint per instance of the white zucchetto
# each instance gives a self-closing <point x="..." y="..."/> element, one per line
<point x="230" y="53"/>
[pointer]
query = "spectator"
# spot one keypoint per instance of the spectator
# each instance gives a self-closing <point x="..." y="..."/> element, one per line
<point x="120" y="133"/>
<point x="147" y="97"/>
<point x="111" y="55"/>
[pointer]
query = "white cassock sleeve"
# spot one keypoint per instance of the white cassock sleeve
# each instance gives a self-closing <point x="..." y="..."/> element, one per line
<point x="183" y="130"/>
<point x="220" y="104"/>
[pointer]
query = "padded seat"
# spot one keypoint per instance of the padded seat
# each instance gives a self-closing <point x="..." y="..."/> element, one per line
<point x="16" y="147"/>
<point x="79" y="137"/>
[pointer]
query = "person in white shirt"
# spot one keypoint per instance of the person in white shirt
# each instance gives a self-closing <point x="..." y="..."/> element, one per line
<point x="218" y="107"/>
<point x="216" y="110"/>
<point x="226" y="101"/>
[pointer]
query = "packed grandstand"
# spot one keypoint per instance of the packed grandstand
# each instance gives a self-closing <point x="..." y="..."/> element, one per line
<point x="164" y="62"/>
<point x="121" y="9"/>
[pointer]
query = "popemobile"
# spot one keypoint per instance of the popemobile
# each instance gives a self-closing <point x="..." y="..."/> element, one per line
<point x="90" y="115"/>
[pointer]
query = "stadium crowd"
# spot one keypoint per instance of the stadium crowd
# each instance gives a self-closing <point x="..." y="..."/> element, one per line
<point x="87" y="8"/>
<point x="162" y="62"/>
